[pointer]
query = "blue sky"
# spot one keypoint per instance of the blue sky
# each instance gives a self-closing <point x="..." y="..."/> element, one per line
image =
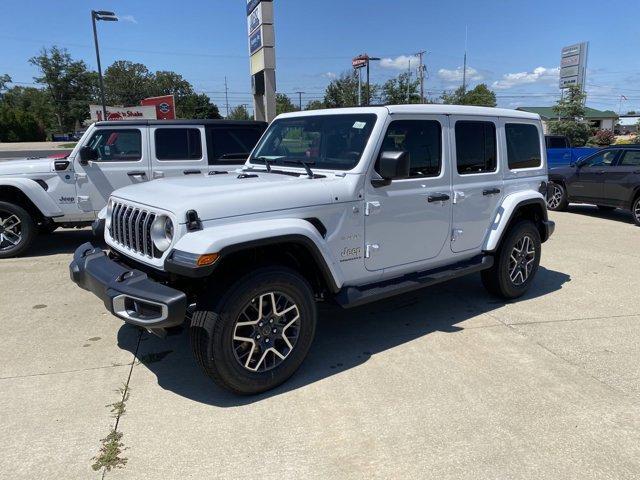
<point x="513" y="46"/>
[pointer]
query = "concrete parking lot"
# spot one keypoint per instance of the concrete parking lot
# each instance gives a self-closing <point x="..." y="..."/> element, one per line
<point x="443" y="383"/>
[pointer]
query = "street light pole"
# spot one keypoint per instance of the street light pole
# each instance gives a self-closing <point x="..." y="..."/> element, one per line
<point x="108" y="17"/>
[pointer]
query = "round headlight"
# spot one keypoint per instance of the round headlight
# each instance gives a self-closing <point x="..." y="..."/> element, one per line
<point x="162" y="232"/>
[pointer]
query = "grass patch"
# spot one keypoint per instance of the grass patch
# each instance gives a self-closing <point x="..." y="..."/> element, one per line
<point x="109" y="455"/>
<point x="68" y="145"/>
<point x="120" y="407"/>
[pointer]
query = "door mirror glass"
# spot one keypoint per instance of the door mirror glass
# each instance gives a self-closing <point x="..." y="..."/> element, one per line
<point x="394" y="165"/>
<point x="87" y="154"/>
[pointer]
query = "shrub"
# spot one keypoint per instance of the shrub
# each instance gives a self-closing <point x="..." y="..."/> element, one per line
<point x="604" y="137"/>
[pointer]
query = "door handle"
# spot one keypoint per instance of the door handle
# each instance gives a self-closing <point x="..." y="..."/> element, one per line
<point x="438" y="197"/>
<point x="600" y="172"/>
<point x="192" y="172"/>
<point x="137" y="174"/>
<point x="158" y="174"/>
<point x="491" y="191"/>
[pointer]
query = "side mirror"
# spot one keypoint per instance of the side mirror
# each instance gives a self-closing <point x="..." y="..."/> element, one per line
<point x="87" y="154"/>
<point x="392" y="166"/>
<point x="61" y="165"/>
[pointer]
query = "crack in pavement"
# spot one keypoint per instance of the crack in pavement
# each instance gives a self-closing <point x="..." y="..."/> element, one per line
<point x="61" y="372"/>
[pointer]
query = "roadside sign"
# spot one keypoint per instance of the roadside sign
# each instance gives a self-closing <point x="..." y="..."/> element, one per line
<point x="252" y="4"/>
<point x="122" y="113"/>
<point x="573" y="65"/>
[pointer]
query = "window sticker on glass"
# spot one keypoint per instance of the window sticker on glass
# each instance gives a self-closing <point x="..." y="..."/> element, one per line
<point x="359" y="125"/>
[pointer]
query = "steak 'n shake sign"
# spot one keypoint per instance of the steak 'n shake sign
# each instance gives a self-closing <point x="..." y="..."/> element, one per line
<point x="122" y="113"/>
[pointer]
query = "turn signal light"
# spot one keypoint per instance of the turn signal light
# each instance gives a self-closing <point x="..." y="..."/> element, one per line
<point x="208" y="259"/>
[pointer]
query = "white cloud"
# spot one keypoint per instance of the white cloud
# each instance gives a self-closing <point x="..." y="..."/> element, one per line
<point x="455" y="76"/>
<point x="127" y="18"/>
<point x="538" y="75"/>
<point x="330" y="75"/>
<point x="399" y="63"/>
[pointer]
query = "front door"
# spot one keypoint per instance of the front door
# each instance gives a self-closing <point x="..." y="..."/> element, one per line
<point x="477" y="181"/>
<point x="121" y="161"/>
<point x="408" y="220"/>
<point x="178" y="151"/>
<point x="587" y="184"/>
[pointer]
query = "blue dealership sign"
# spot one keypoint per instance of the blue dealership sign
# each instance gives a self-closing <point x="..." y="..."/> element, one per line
<point x="252" y="4"/>
<point x="255" y="41"/>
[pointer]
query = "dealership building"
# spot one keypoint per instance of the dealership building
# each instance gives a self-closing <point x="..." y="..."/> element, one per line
<point x="600" y="119"/>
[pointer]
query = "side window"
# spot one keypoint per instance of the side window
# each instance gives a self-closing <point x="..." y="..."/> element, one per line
<point x="602" y="159"/>
<point x="476" y="150"/>
<point x="232" y="145"/>
<point x="178" y="144"/>
<point x="523" y="146"/>
<point x="422" y="139"/>
<point x="117" y="145"/>
<point x="631" y="158"/>
<point x="556" y="142"/>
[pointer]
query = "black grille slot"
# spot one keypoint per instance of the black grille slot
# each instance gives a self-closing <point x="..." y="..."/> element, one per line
<point x="131" y="228"/>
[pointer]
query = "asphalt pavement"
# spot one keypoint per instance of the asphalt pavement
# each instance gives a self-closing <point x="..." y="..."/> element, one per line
<point x="444" y="383"/>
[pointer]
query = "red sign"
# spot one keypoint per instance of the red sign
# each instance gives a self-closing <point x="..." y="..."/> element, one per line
<point x="360" y="61"/>
<point x="165" y="106"/>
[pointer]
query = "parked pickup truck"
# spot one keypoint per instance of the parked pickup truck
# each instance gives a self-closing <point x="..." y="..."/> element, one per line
<point x="560" y="152"/>
<point x="38" y="195"/>
<point x="347" y="205"/>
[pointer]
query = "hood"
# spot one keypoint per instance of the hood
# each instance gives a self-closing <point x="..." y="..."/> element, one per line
<point x="219" y="196"/>
<point x="26" y="166"/>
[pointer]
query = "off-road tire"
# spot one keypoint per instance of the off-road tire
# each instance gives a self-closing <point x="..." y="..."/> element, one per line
<point x="557" y="197"/>
<point x="497" y="279"/>
<point x="635" y="211"/>
<point x="214" y="322"/>
<point x="27" y="229"/>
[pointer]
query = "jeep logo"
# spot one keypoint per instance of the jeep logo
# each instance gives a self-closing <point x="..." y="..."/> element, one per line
<point x="351" y="252"/>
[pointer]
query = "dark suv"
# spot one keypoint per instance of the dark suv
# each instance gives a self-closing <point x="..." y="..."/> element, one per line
<point x="609" y="179"/>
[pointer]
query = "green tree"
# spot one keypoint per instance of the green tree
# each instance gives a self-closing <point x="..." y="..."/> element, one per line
<point x="4" y="79"/>
<point x="343" y="92"/>
<point x="480" y="96"/>
<point x="194" y="105"/>
<point x="239" y="112"/>
<point x="126" y="83"/>
<point x="401" y="90"/>
<point x="18" y="125"/>
<point x="570" y="111"/>
<point x="36" y="101"/>
<point x="71" y="86"/>
<point x="284" y="104"/>
<point x="315" y="105"/>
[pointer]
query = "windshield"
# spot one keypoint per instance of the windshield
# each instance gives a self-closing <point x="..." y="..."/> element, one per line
<point x="332" y="142"/>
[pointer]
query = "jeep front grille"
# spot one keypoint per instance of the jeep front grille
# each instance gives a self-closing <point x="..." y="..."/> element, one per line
<point x="131" y="228"/>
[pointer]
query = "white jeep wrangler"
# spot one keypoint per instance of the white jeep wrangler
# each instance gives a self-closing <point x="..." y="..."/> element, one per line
<point x="350" y="205"/>
<point x="38" y="195"/>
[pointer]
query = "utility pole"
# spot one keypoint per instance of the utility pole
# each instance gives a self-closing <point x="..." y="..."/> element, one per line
<point x="464" y="67"/>
<point x="226" y="94"/>
<point x="300" y="99"/>
<point x="421" y="69"/>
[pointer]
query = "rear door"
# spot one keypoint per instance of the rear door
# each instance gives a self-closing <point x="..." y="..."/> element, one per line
<point x="622" y="178"/>
<point x="122" y="161"/>
<point x="177" y="151"/>
<point x="477" y="180"/>
<point x="229" y="146"/>
<point x="587" y="184"/>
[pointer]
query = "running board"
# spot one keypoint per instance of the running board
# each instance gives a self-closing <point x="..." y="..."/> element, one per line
<point x="349" y="297"/>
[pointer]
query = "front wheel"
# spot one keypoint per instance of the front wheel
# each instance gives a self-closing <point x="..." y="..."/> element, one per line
<point x="635" y="211"/>
<point x="258" y="333"/>
<point x="516" y="262"/>
<point x="17" y="230"/>
<point x="557" y="197"/>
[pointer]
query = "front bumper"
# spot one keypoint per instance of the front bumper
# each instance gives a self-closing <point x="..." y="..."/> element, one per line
<point x="549" y="228"/>
<point x="127" y="293"/>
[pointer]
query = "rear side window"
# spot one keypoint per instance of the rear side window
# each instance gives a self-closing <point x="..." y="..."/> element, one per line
<point x="178" y="144"/>
<point x="556" y="142"/>
<point x="523" y="146"/>
<point x="630" y="158"/>
<point x="232" y="145"/>
<point x="117" y="145"/>
<point x="476" y="150"/>
<point x="422" y="139"/>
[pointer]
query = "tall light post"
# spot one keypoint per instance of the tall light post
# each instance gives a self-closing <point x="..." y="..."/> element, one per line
<point x="369" y="59"/>
<point x="106" y="17"/>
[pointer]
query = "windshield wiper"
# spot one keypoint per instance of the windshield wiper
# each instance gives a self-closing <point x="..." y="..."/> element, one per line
<point x="298" y="161"/>
<point x="266" y="162"/>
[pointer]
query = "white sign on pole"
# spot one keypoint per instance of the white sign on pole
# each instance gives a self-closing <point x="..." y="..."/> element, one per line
<point x="123" y="113"/>
<point x="573" y="65"/>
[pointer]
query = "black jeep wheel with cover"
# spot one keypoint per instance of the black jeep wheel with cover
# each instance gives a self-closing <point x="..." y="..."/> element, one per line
<point x="17" y="230"/>
<point x="635" y="210"/>
<point x="516" y="261"/>
<point x="258" y="333"/>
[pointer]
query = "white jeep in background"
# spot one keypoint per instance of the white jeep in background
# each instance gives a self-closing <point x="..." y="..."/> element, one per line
<point x="347" y="205"/>
<point x="38" y="195"/>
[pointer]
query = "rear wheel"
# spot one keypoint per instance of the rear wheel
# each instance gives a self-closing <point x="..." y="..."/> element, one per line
<point x="556" y="197"/>
<point x="258" y="333"/>
<point x="516" y="262"/>
<point x="635" y="210"/>
<point x="17" y="230"/>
